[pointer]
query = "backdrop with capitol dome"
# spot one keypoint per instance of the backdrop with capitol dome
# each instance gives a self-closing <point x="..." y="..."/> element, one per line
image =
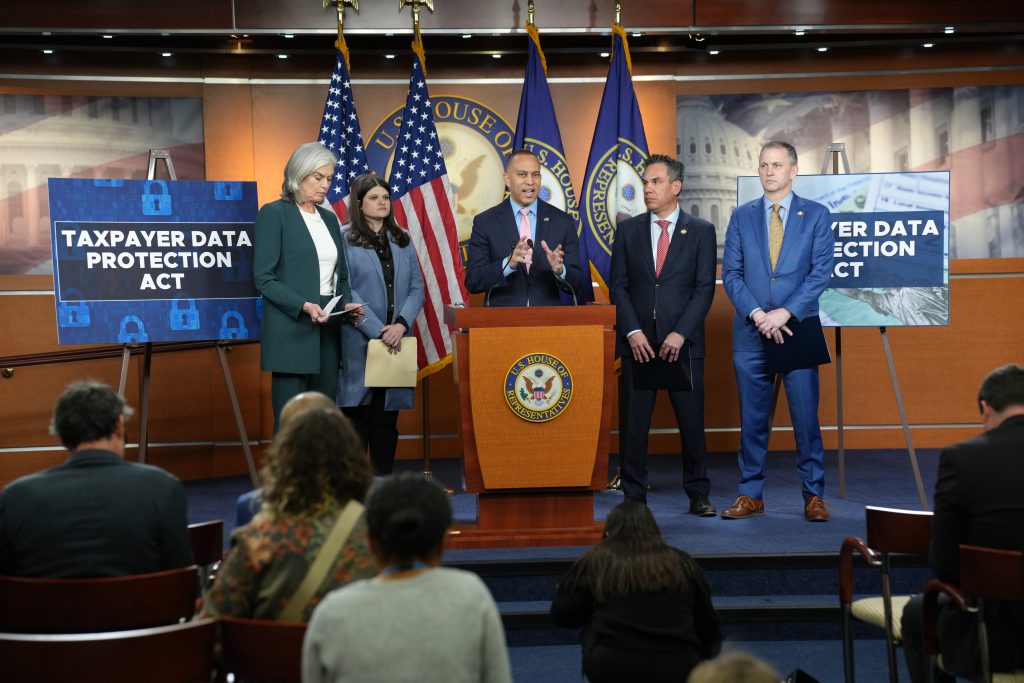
<point x="924" y="112"/>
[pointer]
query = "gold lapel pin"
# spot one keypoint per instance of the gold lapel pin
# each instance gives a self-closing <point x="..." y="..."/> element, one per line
<point x="682" y="232"/>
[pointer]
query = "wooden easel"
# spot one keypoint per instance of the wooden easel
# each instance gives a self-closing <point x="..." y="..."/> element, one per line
<point x="147" y="359"/>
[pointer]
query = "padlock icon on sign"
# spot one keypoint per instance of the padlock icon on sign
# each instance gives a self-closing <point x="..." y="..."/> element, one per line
<point x="132" y="331"/>
<point x="184" y="314"/>
<point x="232" y="326"/>
<point x="72" y="311"/>
<point x="156" y="203"/>
<point x="224" y="191"/>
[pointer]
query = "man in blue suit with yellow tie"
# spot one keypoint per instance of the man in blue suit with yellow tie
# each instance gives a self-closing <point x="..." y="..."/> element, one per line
<point x="777" y="262"/>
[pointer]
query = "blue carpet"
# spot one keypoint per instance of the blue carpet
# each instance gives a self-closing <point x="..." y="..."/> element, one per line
<point x="873" y="477"/>
<point x="822" y="659"/>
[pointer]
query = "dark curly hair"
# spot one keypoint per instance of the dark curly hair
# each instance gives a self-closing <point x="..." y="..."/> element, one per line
<point x="87" y="411"/>
<point x="408" y="517"/>
<point x="360" y="234"/>
<point x="317" y="460"/>
<point x="633" y="558"/>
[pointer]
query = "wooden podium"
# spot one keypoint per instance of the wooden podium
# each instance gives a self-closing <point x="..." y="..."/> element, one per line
<point x="535" y="395"/>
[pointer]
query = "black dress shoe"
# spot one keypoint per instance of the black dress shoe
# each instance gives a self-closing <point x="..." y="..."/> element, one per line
<point x="636" y="499"/>
<point x="701" y="506"/>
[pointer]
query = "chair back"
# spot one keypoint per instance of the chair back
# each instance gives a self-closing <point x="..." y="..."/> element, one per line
<point x="207" y="539"/>
<point x="182" y="653"/>
<point x="898" y="531"/>
<point x="991" y="573"/>
<point x="256" y="650"/>
<point x="93" y="605"/>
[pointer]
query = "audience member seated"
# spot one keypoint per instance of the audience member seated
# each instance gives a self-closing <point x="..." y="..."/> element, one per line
<point x="734" y="667"/>
<point x="417" y="621"/>
<point x="978" y="501"/>
<point x="309" y="536"/>
<point x="97" y="514"/>
<point x="248" y="504"/>
<point x="645" y="608"/>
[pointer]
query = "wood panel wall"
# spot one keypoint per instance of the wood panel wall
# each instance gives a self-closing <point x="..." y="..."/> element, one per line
<point x="253" y="122"/>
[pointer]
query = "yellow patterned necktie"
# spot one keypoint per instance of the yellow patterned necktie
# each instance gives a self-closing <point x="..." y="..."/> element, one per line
<point x="774" y="235"/>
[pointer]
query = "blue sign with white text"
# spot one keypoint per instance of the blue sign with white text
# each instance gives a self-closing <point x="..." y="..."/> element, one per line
<point x="153" y="260"/>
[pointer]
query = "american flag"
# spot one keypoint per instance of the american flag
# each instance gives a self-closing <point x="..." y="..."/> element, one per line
<point x="339" y="132"/>
<point x="421" y="199"/>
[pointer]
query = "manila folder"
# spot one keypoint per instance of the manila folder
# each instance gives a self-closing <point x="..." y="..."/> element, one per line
<point x="385" y="369"/>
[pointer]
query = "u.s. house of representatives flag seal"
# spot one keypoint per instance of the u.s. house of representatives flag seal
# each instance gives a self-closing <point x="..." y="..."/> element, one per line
<point x="538" y="387"/>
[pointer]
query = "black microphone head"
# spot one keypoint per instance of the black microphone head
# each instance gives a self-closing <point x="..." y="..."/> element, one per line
<point x="529" y="243"/>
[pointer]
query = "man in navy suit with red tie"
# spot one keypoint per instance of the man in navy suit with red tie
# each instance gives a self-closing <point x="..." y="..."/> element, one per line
<point x="777" y="262"/>
<point x="662" y="284"/>
<point x="507" y="236"/>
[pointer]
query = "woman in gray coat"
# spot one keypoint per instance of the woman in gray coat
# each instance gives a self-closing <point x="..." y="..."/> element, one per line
<point x="298" y="266"/>
<point x="384" y="274"/>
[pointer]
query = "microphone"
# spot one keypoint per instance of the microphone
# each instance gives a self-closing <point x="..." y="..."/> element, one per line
<point x="529" y="243"/>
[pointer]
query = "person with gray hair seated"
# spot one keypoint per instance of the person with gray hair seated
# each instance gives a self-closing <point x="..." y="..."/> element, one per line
<point x="299" y="266"/>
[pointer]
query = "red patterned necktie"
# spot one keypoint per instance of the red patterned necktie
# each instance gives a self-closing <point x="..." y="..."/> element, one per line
<point x="659" y="260"/>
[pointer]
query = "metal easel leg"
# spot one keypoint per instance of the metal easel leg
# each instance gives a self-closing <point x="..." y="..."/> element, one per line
<point x="903" y="418"/>
<point x="147" y="363"/>
<point x="839" y="412"/>
<point x="239" y="422"/>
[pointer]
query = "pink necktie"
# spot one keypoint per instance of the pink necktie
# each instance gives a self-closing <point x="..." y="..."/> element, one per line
<point x="525" y="233"/>
<point x="659" y="260"/>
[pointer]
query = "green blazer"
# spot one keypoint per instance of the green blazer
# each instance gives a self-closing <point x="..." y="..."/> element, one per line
<point x="287" y="273"/>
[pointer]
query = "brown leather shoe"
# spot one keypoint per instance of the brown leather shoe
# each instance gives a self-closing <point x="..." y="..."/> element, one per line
<point x="744" y="507"/>
<point x="815" y="509"/>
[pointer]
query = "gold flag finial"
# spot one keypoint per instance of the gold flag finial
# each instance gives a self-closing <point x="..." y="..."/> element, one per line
<point x="618" y="12"/>
<point x="340" y="43"/>
<point x="417" y="40"/>
<point x="531" y="30"/>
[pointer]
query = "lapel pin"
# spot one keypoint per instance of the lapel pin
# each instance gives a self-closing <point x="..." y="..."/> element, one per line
<point x="546" y="219"/>
<point x="799" y="213"/>
<point x="682" y="232"/>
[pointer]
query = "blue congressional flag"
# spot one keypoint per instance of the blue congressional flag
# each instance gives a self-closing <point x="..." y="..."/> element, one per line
<point x="537" y="131"/>
<point x="612" y="190"/>
<point x="339" y="132"/>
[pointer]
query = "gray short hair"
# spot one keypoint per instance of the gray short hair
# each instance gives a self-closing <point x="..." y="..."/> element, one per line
<point x="306" y="159"/>
<point x="779" y="144"/>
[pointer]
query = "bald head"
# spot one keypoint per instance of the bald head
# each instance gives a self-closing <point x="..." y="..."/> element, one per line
<point x="302" y="403"/>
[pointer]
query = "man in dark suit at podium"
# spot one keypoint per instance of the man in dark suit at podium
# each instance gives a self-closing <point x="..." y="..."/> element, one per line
<point x="507" y="236"/>
<point x="97" y="514"/>
<point x="662" y="284"/>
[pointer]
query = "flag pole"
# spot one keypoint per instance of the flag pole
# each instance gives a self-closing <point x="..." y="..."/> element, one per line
<point x="340" y="6"/>
<point x="417" y="47"/>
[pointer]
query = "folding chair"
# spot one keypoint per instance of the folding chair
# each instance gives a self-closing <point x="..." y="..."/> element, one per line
<point x="94" y="605"/>
<point x="256" y="650"/>
<point x="985" y="574"/>
<point x="182" y="653"/>
<point x="889" y="532"/>
<point x="207" y="540"/>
